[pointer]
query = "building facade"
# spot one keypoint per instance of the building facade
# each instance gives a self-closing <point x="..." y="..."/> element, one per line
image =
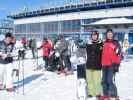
<point x="68" y="20"/>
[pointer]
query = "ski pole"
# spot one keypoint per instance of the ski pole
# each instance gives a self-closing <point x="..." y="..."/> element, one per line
<point x="23" y="75"/>
<point x="37" y="58"/>
<point x="18" y="75"/>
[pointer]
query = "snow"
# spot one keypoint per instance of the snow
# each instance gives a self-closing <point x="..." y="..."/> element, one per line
<point x="44" y="85"/>
<point x="41" y="85"/>
<point x="124" y="79"/>
<point x="113" y="21"/>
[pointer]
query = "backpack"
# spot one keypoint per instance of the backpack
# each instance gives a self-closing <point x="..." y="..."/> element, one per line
<point x="116" y="64"/>
<point x="116" y="57"/>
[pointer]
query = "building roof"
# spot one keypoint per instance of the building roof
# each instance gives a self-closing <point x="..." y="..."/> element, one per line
<point x="73" y="8"/>
<point x="111" y="21"/>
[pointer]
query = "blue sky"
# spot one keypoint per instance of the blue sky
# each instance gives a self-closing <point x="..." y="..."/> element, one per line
<point x="7" y="6"/>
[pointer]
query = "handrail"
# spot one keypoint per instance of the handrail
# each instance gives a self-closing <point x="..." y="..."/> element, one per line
<point x="71" y="7"/>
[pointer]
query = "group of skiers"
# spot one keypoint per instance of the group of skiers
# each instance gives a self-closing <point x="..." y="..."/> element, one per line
<point x="103" y="61"/>
<point x="55" y="54"/>
<point x="31" y="44"/>
<point x="60" y="51"/>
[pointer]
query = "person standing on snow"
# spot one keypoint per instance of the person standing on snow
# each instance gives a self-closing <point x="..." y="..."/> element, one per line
<point x="61" y="46"/>
<point x="6" y="47"/>
<point x="93" y="65"/>
<point x="24" y="42"/>
<point x="33" y="47"/>
<point x="46" y="46"/>
<point x="110" y="63"/>
<point x="125" y="47"/>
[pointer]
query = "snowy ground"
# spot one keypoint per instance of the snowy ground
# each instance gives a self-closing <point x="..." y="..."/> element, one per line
<point x="124" y="79"/>
<point x="40" y="85"/>
<point x="43" y="85"/>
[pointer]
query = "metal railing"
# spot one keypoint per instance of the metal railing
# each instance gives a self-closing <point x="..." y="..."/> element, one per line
<point x="71" y="6"/>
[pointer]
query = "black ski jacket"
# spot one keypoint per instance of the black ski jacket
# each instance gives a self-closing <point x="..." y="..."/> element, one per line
<point x="94" y="52"/>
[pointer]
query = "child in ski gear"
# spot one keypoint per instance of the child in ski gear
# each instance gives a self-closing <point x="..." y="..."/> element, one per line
<point x="6" y="47"/>
<point x="46" y="46"/>
<point x="110" y="56"/>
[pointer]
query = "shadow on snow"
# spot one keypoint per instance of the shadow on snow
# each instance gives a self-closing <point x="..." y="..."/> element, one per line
<point x="28" y="80"/>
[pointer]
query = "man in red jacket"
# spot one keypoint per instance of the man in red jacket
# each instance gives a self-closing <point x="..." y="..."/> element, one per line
<point x="46" y="46"/>
<point x="110" y="58"/>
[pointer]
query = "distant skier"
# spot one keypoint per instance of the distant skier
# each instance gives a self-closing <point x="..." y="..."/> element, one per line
<point x="125" y="47"/>
<point x="33" y="46"/>
<point x="24" y="42"/>
<point x="110" y="63"/>
<point x="6" y="47"/>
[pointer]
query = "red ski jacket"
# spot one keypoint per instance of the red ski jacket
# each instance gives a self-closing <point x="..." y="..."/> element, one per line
<point x="23" y="40"/>
<point x="46" y="48"/>
<point x="109" y="55"/>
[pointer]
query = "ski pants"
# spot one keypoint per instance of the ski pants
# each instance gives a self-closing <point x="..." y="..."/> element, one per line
<point x="46" y="59"/>
<point x="6" y="75"/>
<point x="93" y="78"/>
<point x="33" y="52"/>
<point x="67" y="63"/>
<point x="109" y="88"/>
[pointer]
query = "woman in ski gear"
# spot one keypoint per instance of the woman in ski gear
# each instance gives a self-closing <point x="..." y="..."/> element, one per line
<point x="93" y="65"/>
